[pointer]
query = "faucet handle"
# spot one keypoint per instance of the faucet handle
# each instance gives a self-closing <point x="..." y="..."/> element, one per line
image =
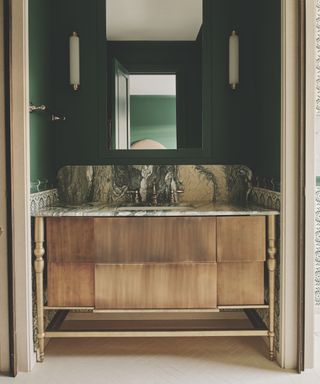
<point x="179" y="192"/>
<point x="135" y="195"/>
<point x="172" y="197"/>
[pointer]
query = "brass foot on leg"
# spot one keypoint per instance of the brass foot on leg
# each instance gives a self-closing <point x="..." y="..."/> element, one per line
<point x="40" y="356"/>
<point x="271" y="345"/>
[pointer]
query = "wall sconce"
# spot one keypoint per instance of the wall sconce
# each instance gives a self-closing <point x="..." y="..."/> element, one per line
<point x="74" y="59"/>
<point x="234" y="60"/>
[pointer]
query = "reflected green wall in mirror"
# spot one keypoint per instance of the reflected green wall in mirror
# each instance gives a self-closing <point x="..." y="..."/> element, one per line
<point x="154" y="117"/>
<point x="180" y="58"/>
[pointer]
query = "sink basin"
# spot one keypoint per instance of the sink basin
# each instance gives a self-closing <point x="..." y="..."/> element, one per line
<point x="157" y="208"/>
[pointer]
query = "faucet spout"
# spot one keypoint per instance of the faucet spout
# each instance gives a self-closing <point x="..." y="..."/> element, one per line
<point x="154" y="195"/>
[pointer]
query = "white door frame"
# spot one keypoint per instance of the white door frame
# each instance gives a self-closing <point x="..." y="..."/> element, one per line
<point x="310" y="182"/>
<point x="20" y="176"/>
<point x="290" y="135"/>
<point x="289" y="170"/>
<point x="4" y="309"/>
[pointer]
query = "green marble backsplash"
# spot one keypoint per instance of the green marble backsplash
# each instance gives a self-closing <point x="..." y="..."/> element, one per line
<point x="112" y="184"/>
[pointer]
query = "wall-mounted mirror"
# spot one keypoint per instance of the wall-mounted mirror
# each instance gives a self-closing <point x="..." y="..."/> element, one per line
<point x="154" y="51"/>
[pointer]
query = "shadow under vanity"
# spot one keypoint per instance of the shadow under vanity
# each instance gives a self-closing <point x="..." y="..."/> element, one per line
<point x="107" y="254"/>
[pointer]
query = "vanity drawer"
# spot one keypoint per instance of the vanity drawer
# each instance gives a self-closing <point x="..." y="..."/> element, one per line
<point x="241" y="283"/>
<point x="70" y="284"/>
<point x="70" y="239"/>
<point x="131" y="239"/>
<point x="241" y="239"/>
<point x="143" y="286"/>
<point x="155" y="239"/>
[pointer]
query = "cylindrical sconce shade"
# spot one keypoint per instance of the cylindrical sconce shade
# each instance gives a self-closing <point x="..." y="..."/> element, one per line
<point x="234" y="60"/>
<point x="74" y="52"/>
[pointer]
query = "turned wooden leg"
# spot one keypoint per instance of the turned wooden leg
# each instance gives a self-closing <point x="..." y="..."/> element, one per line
<point x="38" y="267"/>
<point x="271" y="262"/>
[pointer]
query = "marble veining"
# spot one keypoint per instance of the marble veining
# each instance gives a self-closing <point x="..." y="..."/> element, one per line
<point x="192" y="209"/>
<point x="114" y="183"/>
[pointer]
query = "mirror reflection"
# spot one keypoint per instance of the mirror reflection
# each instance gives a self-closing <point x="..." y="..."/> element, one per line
<point x="154" y="51"/>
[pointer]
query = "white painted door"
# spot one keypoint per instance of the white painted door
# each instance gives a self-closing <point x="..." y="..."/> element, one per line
<point x="121" y="106"/>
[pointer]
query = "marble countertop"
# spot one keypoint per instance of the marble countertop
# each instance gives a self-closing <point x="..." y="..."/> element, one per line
<point x="184" y="209"/>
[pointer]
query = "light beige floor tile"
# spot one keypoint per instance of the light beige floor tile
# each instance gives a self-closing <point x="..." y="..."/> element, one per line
<point x="160" y="361"/>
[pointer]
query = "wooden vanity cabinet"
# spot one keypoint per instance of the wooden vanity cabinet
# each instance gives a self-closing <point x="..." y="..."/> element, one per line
<point x="70" y="284"/>
<point x="241" y="255"/>
<point x="155" y="262"/>
<point x="156" y="286"/>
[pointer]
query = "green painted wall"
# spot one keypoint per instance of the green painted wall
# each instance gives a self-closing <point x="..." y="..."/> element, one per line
<point x="77" y="139"/>
<point x="266" y="159"/>
<point x="245" y="123"/>
<point x="154" y="117"/>
<point x="41" y="62"/>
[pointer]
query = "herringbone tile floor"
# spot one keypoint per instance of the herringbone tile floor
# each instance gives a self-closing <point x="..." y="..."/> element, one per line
<point x="160" y="361"/>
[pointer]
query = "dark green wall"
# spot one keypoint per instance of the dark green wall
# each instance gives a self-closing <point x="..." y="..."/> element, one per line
<point x="154" y="117"/>
<point x="266" y="159"/>
<point x="77" y="139"/>
<point x="245" y="123"/>
<point x="41" y="64"/>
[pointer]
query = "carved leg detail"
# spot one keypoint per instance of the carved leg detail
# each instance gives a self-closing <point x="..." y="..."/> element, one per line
<point x="271" y="263"/>
<point x="38" y="267"/>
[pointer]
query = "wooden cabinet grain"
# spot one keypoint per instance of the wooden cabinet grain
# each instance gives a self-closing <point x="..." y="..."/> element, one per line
<point x="156" y="262"/>
<point x="70" y="284"/>
<point x="241" y="239"/>
<point x="156" y="285"/>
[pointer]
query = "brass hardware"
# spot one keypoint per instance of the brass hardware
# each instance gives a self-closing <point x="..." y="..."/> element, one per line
<point x="154" y="195"/>
<point x="39" y="267"/>
<point x="44" y="108"/>
<point x="271" y="264"/>
<point x="179" y="192"/>
<point x="39" y="252"/>
<point x="57" y="118"/>
<point x="169" y="333"/>
<point x="1" y="231"/>
<point x="135" y="196"/>
<point x="33" y="108"/>
<point x="172" y="197"/>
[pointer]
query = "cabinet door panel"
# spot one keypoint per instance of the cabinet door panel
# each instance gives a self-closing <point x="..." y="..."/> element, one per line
<point x="241" y="283"/>
<point x="70" y="285"/>
<point x="155" y="239"/>
<point x="70" y="239"/>
<point x="241" y="239"/>
<point x="143" y="286"/>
